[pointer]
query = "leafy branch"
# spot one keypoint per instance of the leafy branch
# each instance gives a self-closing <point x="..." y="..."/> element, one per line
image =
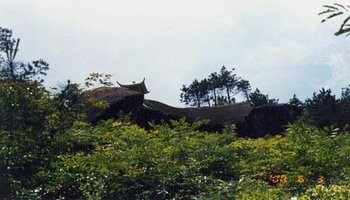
<point x="335" y="10"/>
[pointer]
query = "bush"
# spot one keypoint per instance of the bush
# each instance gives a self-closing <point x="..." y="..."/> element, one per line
<point x="31" y="134"/>
<point x="131" y="163"/>
<point x="339" y="192"/>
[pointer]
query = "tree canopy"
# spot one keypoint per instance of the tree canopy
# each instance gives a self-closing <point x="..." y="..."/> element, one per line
<point x="10" y="68"/>
<point x="260" y="99"/>
<point x="219" y="88"/>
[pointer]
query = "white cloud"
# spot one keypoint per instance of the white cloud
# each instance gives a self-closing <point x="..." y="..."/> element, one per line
<point x="339" y="71"/>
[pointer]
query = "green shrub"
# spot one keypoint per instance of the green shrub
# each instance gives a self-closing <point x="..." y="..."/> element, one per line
<point x="259" y="190"/>
<point x="339" y="192"/>
<point x="129" y="162"/>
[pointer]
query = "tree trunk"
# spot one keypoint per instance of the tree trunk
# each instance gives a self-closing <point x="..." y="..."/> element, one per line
<point x="228" y="95"/>
<point x="247" y="96"/>
<point x="208" y="98"/>
<point x="215" y="98"/>
<point x="12" y="70"/>
<point x="198" y="101"/>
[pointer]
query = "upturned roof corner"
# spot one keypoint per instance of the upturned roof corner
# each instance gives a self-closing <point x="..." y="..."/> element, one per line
<point x="138" y="87"/>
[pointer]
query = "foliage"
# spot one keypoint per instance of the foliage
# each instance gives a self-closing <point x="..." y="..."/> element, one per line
<point x="343" y="118"/>
<point x="324" y="109"/>
<point x="193" y="94"/>
<point x="336" y="10"/>
<point x="214" y="87"/>
<point x="294" y="101"/>
<point x="245" y="88"/>
<point x="34" y="130"/>
<point x="70" y="104"/>
<point x="259" y="99"/>
<point x="177" y="161"/>
<point x="218" y="89"/>
<point x="321" y="109"/>
<point x="22" y="104"/>
<point x="255" y="190"/>
<point x="229" y="82"/>
<point x="131" y="163"/>
<point x="119" y="160"/>
<point x="306" y="156"/>
<point x="339" y="192"/>
<point x="27" y="132"/>
<point x="10" y="69"/>
<point x="98" y="78"/>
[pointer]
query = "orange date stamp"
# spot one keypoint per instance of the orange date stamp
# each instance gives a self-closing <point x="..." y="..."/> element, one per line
<point x="283" y="179"/>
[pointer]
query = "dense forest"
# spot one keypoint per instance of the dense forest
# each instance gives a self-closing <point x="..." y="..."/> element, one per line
<point x="49" y="151"/>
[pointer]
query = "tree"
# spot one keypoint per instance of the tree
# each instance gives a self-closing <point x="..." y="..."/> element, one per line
<point x="345" y="94"/>
<point x="229" y="81"/>
<point x="259" y="99"/>
<point x="214" y="86"/>
<point x="98" y="80"/>
<point x="294" y="101"/>
<point x="343" y="118"/>
<point x="191" y="95"/>
<point x="10" y="69"/>
<point x="222" y="100"/>
<point x="321" y="109"/>
<point x="336" y="10"/>
<point x="245" y="88"/>
<point x="205" y="91"/>
<point x="219" y="88"/>
<point x="70" y="105"/>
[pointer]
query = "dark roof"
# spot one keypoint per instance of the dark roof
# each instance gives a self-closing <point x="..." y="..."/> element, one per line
<point x="138" y="87"/>
<point x="219" y="114"/>
<point x="112" y="94"/>
<point x="115" y="97"/>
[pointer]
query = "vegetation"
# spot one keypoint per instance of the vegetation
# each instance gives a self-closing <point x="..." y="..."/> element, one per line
<point x="10" y="69"/>
<point x="49" y="151"/>
<point x="294" y="101"/>
<point x="259" y="99"/>
<point x="324" y="109"/>
<point x="336" y="10"/>
<point x="221" y="89"/>
<point x="120" y="160"/>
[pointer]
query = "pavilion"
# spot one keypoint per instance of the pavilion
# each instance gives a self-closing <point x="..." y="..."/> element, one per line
<point x="138" y="87"/>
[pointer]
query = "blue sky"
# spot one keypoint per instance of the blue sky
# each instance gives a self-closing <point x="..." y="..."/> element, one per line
<point x="280" y="46"/>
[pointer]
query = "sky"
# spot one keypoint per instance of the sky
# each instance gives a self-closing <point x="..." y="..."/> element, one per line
<point x="280" y="46"/>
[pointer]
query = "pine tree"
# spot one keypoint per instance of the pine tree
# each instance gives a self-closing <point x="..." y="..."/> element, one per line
<point x="10" y="69"/>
